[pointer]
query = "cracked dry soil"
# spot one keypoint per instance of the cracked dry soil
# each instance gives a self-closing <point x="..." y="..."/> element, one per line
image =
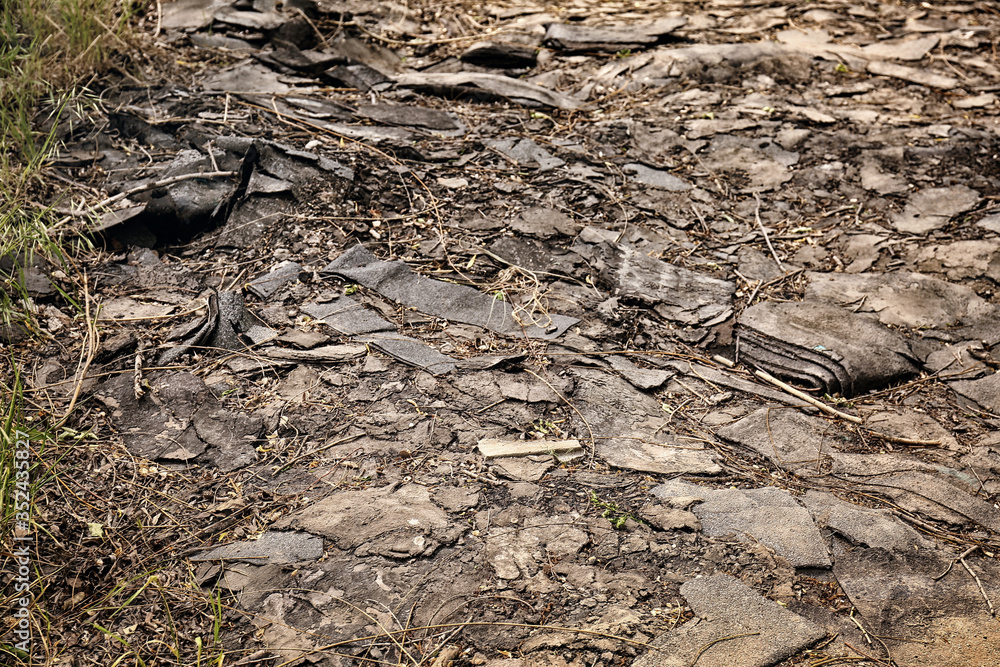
<point x="462" y="351"/>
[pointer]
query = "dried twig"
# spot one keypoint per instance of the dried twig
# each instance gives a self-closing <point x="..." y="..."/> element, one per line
<point x="961" y="559"/>
<point x="906" y="441"/>
<point x="716" y="641"/>
<point x="993" y="612"/>
<point x="137" y="386"/>
<point x="767" y="239"/>
<point x="88" y="352"/>
<point x="767" y="377"/>
<point x="881" y="661"/>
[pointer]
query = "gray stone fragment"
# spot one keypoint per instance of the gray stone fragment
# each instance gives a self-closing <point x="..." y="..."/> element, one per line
<point x="861" y="525"/>
<point x="410" y="351"/>
<point x="768" y="515"/>
<point x="231" y="435"/>
<point x="158" y="425"/>
<point x="971" y="258"/>
<point x="523" y="469"/>
<point x="657" y="178"/>
<point x="876" y="180"/>
<point x="900" y="298"/>
<point x="990" y="223"/>
<point x="410" y="115"/>
<point x="488" y="86"/>
<point x="933" y="208"/>
<point x="531" y="389"/>
<point x="736" y="627"/>
<point x="763" y="163"/>
<point x="184" y="14"/>
<point x="976" y="101"/>
<point x="667" y="63"/>
<point x="247" y="77"/>
<point x="510" y="550"/>
<point x="253" y="582"/>
<point x="678" y="456"/>
<point x="503" y="55"/>
<point x="272" y="547"/>
<point x="611" y="39"/>
<point x="944" y="493"/>
<point x="456" y="499"/>
<point x="351" y="318"/>
<point x="755" y="265"/>
<point x="395" y="523"/>
<point x="669" y="518"/>
<point x="612" y="406"/>
<point x="932" y="495"/>
<point x="899" y="592"/>
<point x="790" y="439"/>
<point x="525" y="253"/>
<point x="912" y="424"/>
<point x="267" y="284"/>
<point x="304" y="340"/>
<point x="264" y="21"/>
<point x="544" y="222"/>
<point x="458" y="303"/>
<point x="527" y="153"/>
<point x="297" y="385"/>
<point x="640" y="378"/>
<point x="984" y="391"/>
<point x="912" y="74"/>
<point x="903" y="49"/>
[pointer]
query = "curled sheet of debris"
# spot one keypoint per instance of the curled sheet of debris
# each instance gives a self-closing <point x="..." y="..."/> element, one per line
<point x="823" y="347"/>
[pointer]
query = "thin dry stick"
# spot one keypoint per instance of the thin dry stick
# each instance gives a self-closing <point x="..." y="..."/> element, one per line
<point x="906" y="441"/>
<point x="868" y="638"/>
<point x="880" y="661"/>
<point x="952" y="563"/>
<point x="87" y="354"/>
<point x="993" y="612"/>
<point x="767" y="377"/>
<point x="864" y="633"/>
<point x="767" y="239"/>
<point x="725" y="362"/>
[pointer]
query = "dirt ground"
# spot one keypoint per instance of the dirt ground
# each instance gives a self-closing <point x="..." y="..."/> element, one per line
<point x="576" y="334"/>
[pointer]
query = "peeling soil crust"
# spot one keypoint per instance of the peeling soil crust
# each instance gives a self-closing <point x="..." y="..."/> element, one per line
<point x="479" y="336"/>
